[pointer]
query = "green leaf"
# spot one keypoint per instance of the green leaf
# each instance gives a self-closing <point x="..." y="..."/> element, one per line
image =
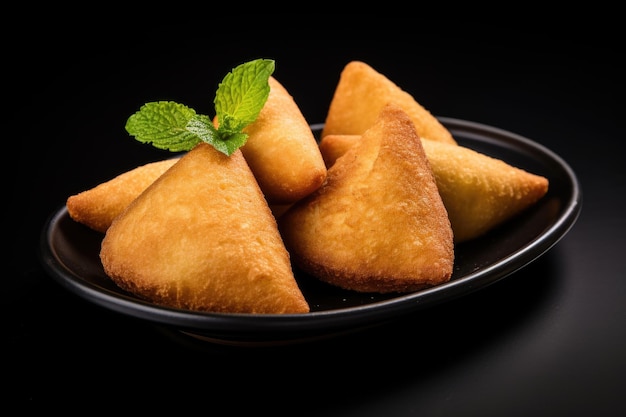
<point x="242" y="94"/>
<point x="164" y="125"/>
<point x="202" y="126"/>
<point x="238" y="101"/>
<point x="230" y="142"/>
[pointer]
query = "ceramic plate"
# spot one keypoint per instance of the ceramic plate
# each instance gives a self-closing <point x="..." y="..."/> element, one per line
<point x="70" y="254"/>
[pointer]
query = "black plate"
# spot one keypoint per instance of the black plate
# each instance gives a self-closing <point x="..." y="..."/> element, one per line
<point x="70" y="253"/>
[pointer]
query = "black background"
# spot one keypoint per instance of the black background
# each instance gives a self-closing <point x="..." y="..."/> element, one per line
<point x="548" y="340"/>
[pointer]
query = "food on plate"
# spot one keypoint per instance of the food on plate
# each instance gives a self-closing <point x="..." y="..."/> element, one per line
<point x="360" y="95"/>
<point x="202" y="237"/>
<point x="378" y="223"/>
<point x="282" y="151"/>
<point x="98" y="206"/>
<point x="480" y="192"/>
<point x="376" y="206"/>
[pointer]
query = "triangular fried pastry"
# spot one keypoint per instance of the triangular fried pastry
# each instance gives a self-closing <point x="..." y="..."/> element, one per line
<point x="202" y="237"/>
<point x="282" y="151"/>
<point x="98" y="206"/>
<point x="377" y="224"/>
<point x="359" y="97"/>
<point x="480" y="192"/>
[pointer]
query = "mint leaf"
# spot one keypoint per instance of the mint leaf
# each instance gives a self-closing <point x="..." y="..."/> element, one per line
<point x="230" y="142"/>
<point x="242" y="94"/>
<point x="164" y="125"/>
<point x="203" y="128"/>
<point x="238" y="101"/>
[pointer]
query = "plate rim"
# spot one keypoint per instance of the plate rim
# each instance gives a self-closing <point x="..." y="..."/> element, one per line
<point x="332" y="320"/>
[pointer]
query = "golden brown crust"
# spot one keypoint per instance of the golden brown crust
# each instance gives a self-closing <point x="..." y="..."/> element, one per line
<point x="333" y="146"/>
<point x="97" y="207"/>
<point x="202" y="237"/>
<point x="360" y="95"/>
<point x="282" y="151"/>
<point x="378" y="223"/>
<point x="479" y="192"/>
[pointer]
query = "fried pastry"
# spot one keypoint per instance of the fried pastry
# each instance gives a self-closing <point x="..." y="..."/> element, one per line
<point x="202" y="237"/>
<point x="282" y="151"/>
<point x="378" y="223"/>
<point x="480" y="192"/>
<point x="360" y="95"/>
<point x="98" y="206"/>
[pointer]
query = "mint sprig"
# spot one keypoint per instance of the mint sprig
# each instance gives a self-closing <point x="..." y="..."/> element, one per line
<point x="238" y="101"/>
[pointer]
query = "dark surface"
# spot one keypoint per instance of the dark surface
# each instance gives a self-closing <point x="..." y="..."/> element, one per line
<point x="548" y="340"/>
